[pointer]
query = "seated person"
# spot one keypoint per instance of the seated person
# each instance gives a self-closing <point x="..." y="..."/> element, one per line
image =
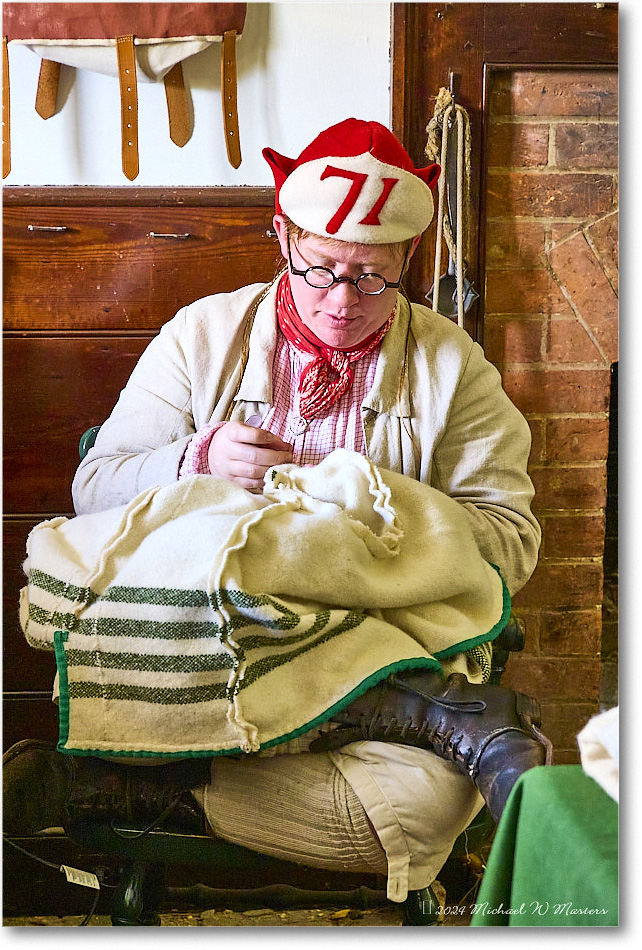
<point x="329" y="355"/>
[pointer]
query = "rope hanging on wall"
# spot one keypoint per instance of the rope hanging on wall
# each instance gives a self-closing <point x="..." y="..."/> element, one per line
<point x="451" y="124"/>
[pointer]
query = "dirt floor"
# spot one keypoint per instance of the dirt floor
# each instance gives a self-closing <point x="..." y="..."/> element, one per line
<point x="390" y="915"/>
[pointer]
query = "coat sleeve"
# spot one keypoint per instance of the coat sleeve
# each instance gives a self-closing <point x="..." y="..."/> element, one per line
<point x="142" y="442"/>
<point x="481" y="460"/>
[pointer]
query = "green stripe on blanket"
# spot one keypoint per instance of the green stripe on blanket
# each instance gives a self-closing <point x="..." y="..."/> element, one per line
<point x="147" y="694"/>
<point x="60" y="588"/>
<point x="174" y="663"/>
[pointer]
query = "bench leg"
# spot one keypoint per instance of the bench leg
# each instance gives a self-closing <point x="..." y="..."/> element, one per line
<point x="138" y="894"/>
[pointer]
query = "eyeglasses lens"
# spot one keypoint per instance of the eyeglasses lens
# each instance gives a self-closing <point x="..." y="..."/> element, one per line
<point x="319" y="277"/>
<point x="371" y="284"/>
<point x="322" y="277"/>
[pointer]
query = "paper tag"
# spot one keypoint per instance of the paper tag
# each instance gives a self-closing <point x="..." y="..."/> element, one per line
<point x="84" y="878"/>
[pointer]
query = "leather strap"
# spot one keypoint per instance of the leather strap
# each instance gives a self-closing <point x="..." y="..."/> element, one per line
<point x="47" y="88"/>
<point x="228" y="94"/>
<point x="128" y="104"/>
<point x="6" y="111"/>
<point x="177" y="108"/>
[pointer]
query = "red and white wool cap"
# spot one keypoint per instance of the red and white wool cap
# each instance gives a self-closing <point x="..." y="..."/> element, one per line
<point x="355" y="182"/>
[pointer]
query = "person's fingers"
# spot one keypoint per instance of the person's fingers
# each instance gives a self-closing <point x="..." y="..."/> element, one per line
<point x="243" y="454"/>
<point x="260" y="458"/>
<point x="255" y="464"/>
<point x="251" y="435"/>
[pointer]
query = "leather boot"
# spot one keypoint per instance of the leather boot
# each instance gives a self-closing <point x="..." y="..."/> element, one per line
<point x="490" y="733"/>
<point x="43" y="788"/>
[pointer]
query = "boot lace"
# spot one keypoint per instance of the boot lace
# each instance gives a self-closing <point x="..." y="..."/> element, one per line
<point x="375" y="727"/>
<point x="120" y="805"/>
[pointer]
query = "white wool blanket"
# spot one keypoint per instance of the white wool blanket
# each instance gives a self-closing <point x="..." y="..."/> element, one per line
<point x="201" y="619"/>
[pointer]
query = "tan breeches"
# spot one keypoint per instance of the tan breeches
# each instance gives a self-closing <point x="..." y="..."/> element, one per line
<point x="294" y="807"/>
<point x="299" y="806"/>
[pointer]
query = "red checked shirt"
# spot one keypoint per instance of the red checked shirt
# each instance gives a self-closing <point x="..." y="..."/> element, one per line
<point x="340" y="427"/>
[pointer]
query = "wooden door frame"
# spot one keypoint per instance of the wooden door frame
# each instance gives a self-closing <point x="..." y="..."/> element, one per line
<point x="431" y="41"/>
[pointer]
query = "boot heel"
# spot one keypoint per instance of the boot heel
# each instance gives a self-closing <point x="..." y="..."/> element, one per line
<point x="529" y="709"/>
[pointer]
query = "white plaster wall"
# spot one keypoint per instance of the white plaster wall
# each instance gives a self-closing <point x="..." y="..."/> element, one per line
<point x="301" y="67"/>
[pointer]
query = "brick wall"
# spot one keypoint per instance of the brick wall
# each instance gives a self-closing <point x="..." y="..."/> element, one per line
<point x="551" y="329"/>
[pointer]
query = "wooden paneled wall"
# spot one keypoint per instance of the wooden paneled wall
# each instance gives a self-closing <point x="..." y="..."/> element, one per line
<point x="90" y="276"/>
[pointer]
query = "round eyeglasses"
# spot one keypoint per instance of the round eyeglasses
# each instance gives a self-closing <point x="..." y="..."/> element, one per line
<point x="322" y="277"/>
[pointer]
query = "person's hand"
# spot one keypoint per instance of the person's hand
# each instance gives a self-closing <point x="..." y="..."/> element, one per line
<point x="242" y="454"/>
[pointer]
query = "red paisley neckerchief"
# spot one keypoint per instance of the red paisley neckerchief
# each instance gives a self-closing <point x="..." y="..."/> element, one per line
<point x="325" y="379"/>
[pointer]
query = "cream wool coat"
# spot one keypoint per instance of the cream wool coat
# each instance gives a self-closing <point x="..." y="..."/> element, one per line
<point x="436" y="412"/>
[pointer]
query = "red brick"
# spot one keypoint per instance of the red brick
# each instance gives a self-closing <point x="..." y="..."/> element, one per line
<point x="586" y="145"/>
<point x="560" y="92"/>
<point x="510" y="340"/>
<point x="603" y="237"/>
<point x="573" y="536"/>
<point x="550" y="390"/>
<point x="561" y="606"/>
<point x="563" y="229"/>
<point x="555" y="678"/>
<point x="585" y="282"/>
<point x="562" y="585"/>
<point x="561" y="723"/>
<point x="515" y="244"/>
<point x="568" y="341"/>
<point x="524" y="291"/>
<point x="518" y="145"/>
<point x="577" y="440"/>
<point x="571" y="632"/>
<point x="569" y="487"/>
<point x="549" y="195"/>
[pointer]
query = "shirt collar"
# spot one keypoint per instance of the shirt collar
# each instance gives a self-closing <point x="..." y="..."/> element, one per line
<point x="386" y="395"/>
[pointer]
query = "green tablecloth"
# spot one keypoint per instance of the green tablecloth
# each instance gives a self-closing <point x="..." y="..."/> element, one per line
<point x="554" y="860"/>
